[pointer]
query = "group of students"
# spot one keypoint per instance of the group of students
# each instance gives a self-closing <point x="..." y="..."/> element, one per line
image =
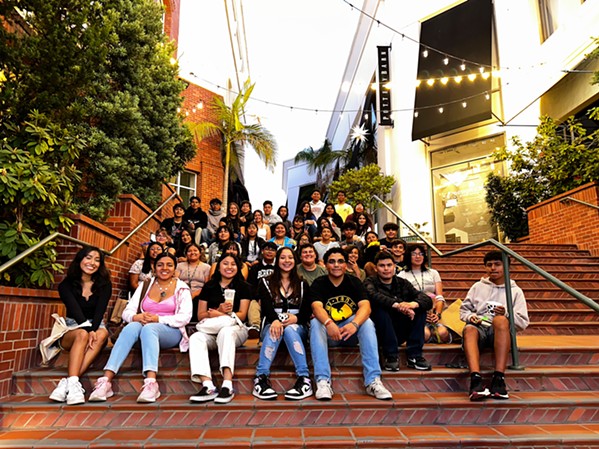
<point x="378" y="298"/>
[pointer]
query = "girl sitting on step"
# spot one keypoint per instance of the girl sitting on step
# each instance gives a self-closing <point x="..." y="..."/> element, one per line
<point x="157" y="314"/>
<point x="85" y="292"/>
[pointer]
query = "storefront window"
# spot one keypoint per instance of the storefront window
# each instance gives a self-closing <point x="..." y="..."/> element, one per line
<point x="459" y="175"/>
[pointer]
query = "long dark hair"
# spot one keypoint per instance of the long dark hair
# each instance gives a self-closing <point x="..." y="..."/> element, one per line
<point x="100" y="277"/>
<point x="217" y="276"/>
<point x="148" y="262"/>
<point x="361" y="230"/>
<point x="334" y="216"/>
<point x="294" y="278"/>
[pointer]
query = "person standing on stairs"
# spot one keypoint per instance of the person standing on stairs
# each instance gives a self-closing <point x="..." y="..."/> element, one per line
<point x="487" y="326"/>
<point x="85" y="292"/>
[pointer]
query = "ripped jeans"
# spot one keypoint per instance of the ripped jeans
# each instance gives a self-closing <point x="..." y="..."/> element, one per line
<point x="294" y="336"/>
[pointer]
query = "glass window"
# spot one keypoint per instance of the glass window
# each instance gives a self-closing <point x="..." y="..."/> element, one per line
<point x="459" y="176"/>
<point x="185" y="184"/>
<point x="548" y="12"/>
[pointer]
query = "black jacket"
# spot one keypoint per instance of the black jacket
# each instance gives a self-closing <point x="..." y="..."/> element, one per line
<point x="400" y="290"/>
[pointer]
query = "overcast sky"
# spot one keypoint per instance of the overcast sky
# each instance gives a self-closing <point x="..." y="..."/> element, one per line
<point x="297" y="54"/>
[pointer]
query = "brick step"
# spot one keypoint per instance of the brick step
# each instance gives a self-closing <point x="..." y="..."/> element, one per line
<point x="590" y="328"/>
<point x="350" y="409"/>
<point x="330" y="435"/>
<point x="524" y="280"/>
<point x="513" y="246"/>
<point x="534" y="350"/>
<point x="561" y="314"/>
<point x="460" y="291"/>
<point x="540" y="260"/>
<point x="472" y="275"/>
<point x="37" y="383"/>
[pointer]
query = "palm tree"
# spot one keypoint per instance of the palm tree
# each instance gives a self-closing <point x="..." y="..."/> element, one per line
<point x="319" y="160"/>
<point x="235" y="134"/>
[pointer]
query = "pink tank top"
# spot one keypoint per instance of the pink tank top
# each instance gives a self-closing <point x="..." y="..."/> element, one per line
<point x="163" y="308"/>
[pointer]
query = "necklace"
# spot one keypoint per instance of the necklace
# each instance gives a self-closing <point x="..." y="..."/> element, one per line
<point x="421" y="288"/>
<point x="163" y="290"/>
<point x="190" y="278"/>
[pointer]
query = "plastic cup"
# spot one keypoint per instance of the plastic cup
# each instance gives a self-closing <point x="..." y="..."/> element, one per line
<point x="229" y="295"/>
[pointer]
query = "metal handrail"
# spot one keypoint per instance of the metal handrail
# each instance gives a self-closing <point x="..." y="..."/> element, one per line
<point x="508" y="291"/>
<point x="19" y="257"/>
<point x="569" y="198"/>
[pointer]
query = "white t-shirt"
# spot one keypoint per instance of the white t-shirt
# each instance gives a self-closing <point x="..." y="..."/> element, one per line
<point x="321" y="248"/>
<point x="423" y="281"/>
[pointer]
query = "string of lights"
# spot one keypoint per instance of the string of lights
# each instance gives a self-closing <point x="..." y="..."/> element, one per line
<point x="439" y="106"/>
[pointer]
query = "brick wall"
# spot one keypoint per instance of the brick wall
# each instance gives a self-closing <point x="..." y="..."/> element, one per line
<point x="554" y="221"/>
<point x="26" y="320"/>
<point x="207" y="163"/>
<point x="171" y="18"/>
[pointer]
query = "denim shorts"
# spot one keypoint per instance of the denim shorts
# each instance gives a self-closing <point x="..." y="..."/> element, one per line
<point x="73" y="322"/>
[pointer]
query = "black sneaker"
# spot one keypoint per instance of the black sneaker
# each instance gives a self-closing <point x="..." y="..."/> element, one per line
<point x="419" y="363"/>
<point x="253" y="332"/>
<point x="263" y="389"/>
<point x="478" y="391"/>
<point x="225" y="396"/>
<point x="204" y="395"/>
<point x="498" y="389"/>
<point x="391" y="364"/>
<point x="302" y="389"/>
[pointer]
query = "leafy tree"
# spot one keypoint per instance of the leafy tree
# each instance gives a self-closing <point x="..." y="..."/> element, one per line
<point x="561" y="157"/>
<point x="235" y="134"/>
<point x="36" y="193"/>
<point x="102" y="70"/>
<point x="360" y="184"/>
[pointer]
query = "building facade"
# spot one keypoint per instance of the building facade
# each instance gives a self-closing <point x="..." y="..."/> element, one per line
<point x="461" y="79"/>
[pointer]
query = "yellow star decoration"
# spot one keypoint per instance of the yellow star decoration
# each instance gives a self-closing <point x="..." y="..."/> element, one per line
<point x="359" y="133"/>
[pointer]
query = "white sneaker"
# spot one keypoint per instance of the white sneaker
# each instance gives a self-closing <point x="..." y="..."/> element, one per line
<point x="149" y="392"/>
<point x="102" y="390"/>
<point x="60" y="392"/>
<point x="378" y="390"/>
<point x="76" y="393"/>
<point x="324" y="392"/>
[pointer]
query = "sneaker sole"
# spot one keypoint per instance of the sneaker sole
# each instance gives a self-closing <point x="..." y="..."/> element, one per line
<point x="272" y="397"/>
<point x="298" y="398"/>
<point x="224" y="400"/>
<point x="419" y="368"/>
<point x="502" y="397"/>
<point x="203" y="398"/>
<point x="76" y="401"/>
<point x="324" y="398"/>
<point x="148" y="401"/>
<point x="386" y="368"/>
<point x="476" y="397"/>
<point x="101" y="398"/>
<point x="57" y="399"/>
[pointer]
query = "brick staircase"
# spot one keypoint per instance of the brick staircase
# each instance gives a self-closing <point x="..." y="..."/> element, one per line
<point x="554" y="401"/>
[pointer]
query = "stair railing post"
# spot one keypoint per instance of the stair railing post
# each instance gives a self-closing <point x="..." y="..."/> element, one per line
<point x="510" y="311"/>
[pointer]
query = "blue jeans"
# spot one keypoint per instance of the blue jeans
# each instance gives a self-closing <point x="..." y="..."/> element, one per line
<point x="294" y="336"/>
<point x="365" y="337"/>
<point x="153" y="337"/>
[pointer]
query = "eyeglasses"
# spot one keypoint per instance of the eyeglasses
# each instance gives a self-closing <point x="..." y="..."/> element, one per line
<point x="336" y="261"/>
<point x="417" y="254"/>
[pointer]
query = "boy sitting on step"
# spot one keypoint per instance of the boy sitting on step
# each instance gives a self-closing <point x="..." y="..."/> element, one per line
<point x="487" y="325"/>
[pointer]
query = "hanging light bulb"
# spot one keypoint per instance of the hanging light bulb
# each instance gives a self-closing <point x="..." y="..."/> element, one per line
<point x="418" y="83"/>
<point x="200" y="104"/>
<point x="440" y="110"/>
<point x="464" y="104"/>
<point x="425" y="53"/>
<point x="444" y="80"/>
<point x="430" y="81"/>
<point x="415" y="114"/>
<point x="458" y="79"/>
<point x="481" y="69"/>
<point x="463" y="66"/>
<point x="446" y="60"/>
<point x="485" y="75"/>
<point x="487" y="96"/>
<point x="472" y="76"/>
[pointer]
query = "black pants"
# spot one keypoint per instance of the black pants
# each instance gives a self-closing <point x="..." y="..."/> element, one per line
<point x="393" y="328"/>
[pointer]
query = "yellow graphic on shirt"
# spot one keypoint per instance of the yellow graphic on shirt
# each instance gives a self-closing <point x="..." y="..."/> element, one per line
<point x="340" y="308"/>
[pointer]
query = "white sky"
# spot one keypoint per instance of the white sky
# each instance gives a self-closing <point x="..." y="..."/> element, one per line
<point x="297" y="53"/>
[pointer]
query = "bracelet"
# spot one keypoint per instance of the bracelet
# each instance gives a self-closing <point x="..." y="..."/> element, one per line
<point x="327" y="322"/>
<point x="440" y="298"/>
<point x="356" y="324"/>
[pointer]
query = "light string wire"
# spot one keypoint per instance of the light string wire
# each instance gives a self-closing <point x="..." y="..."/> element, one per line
<point x="342" y="111"/>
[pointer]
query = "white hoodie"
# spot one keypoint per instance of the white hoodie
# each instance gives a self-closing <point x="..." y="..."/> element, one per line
<point x="484" y="291"/>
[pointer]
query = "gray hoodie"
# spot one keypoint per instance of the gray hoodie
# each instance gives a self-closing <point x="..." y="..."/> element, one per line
<point x="214" y="217"/>
<point x="484" y="291"/>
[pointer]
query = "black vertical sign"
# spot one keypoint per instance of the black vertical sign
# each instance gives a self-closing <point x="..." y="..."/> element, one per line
<point x="384" y="91"/>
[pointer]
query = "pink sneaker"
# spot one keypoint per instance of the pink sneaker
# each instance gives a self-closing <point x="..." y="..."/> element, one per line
<point x="149" y="392"/>
<point x="102" y="390"/>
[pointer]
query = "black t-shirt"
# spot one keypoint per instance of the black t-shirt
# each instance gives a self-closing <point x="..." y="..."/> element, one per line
<point x="340" y="302"/>
<point x="214" y="295"/>
<point x="259" y="271"/>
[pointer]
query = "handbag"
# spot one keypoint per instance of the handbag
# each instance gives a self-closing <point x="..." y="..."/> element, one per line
<point x="117" y="311"/>
<point x="213" y="326"/>
<point x="50" y="346"/>
<point x="116" y="327"/>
